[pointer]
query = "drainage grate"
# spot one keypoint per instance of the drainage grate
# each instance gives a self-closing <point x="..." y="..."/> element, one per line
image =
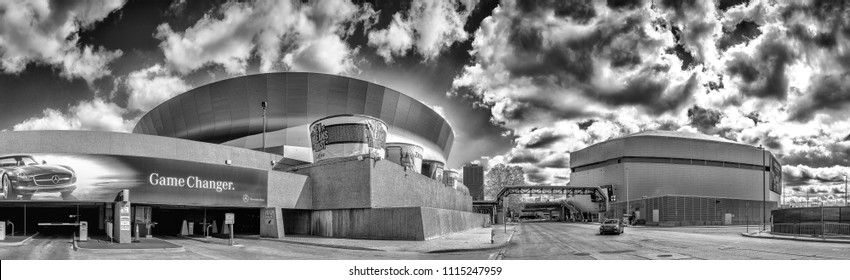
<point x="582" y="254"/>
<point x="665" y="256"/>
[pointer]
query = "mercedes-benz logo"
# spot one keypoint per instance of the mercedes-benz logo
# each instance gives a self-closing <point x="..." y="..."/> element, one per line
<point x="55" y="179"/>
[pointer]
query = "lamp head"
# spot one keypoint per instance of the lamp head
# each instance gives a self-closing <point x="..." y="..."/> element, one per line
<point x="264" y="104"/>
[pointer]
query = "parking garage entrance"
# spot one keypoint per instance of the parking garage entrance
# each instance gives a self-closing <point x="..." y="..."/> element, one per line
<point x="179" y="220"/>
<point x="47" y="218"/>
<point x="59" y="219"/>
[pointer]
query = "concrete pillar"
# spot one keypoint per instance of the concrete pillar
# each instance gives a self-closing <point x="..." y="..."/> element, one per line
<point x="271" y="222"/>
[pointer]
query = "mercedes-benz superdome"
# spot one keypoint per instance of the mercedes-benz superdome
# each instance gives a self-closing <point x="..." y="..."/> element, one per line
<point x="681" y="178"/>
<point x="229" y="112"/>
<point x="198" y="156"/>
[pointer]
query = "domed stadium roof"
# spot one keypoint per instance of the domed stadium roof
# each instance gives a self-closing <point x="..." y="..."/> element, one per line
<point x="230" y="109"/>
<point x="680" y="134"/>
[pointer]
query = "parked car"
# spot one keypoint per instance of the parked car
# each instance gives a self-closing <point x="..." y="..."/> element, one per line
<point x="611" y="226"/>
<point x="21" y="175"/>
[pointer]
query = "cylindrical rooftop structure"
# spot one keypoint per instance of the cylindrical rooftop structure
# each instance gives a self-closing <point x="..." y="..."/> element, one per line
<point x="348" y="135"/>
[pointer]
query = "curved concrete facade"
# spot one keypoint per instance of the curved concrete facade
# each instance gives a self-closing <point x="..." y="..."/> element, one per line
<point x="656" y="163"/>
<point x="229" y="112"/>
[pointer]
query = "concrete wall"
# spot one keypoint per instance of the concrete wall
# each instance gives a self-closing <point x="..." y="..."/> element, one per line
<point x="289" y="190"/>
<point x="381" y="223"/>
<point x="338" y="183"/>
<point x="439" y="222"/>
<point x="402" y="223"/>
<point x="112" y="143"/>
<point x="392" y="186"/>
<point x="350" y="183"/>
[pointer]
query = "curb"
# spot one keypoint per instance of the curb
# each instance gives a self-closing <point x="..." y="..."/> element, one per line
<point x="322" y="245"/>
<point x="19" y="243"/>
<point x="501" y="253"/>
<point x="143" y="250"/>
<point x="797" y="239"/>
<point x="503" y="245"/>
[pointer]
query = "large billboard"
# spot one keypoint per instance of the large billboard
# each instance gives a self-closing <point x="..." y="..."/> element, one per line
<point x="775" y="176"/>
<point x="98" y="178"/>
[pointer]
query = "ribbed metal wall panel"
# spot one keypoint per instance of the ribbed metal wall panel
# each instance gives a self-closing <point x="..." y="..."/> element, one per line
<point x="389" y="105"/>
<point x="296" y="99"/>
<point x="374" y="100"/>
<point x="240" y="117"/>
<point x="355" y="102"/>
<point x="317" y="96"/>
<point x="220" y="100"/>
<point x="205" y="114"/>
<point x="187" y="104"/>
<point x="157" y="122"/>
<point x="179" y="119"/>
<point x="402" y="111"/>
<point x="256" y="88"/>
<point x="337" y="96"/>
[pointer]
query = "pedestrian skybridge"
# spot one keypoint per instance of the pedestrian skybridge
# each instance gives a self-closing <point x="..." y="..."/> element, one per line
<point x="583" y="198"/>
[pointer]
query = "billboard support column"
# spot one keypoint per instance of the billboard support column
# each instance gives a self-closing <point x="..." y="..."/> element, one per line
<point x="122" y="216"/>
<point x="763" y="192"/>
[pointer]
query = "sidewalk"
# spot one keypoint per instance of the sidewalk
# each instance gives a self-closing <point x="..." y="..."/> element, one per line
<point x="470" y="240"/>
<point x="769" y="235"/>
<point x="18" y="240"/>
<point x="144" y="245"/>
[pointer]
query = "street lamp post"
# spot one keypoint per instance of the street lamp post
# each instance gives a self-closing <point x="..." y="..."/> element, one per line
<point x="627" y="191"/>
<point x="845" y="191"/>
<point x="264" y="104"/>
<point x="764" y="192"/>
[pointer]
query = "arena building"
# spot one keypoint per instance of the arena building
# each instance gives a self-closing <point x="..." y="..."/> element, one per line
<point x="678" y="178"/>
<point x="287" y="153"/>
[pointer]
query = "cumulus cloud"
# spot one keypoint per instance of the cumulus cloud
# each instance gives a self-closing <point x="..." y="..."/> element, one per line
<point x="428" y="28"/>
<point x="562" y="75"/>
<point x="285" y="35"/>
<point x="96" y="114"/>
<point x="46" y="32"/>
<point x="149" y="87"/>
<point x="538" y="63"/>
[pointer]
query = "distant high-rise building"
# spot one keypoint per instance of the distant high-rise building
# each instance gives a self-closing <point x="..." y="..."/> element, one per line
<point x="473" y="178"/>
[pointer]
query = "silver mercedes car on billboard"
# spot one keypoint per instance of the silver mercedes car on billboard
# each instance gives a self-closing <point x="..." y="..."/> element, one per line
<point x="21" y="175"/>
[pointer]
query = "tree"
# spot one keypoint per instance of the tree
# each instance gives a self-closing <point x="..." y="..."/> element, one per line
<point x="501" y="176"/>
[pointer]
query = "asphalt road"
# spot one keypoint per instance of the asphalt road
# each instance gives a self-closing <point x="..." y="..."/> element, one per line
<point x="565" y="241"/>
<point x="535" y="241"/>
<point x="59" y="247"/>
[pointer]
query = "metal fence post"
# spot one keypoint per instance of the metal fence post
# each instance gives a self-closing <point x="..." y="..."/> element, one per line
<point x="822" y="225"/>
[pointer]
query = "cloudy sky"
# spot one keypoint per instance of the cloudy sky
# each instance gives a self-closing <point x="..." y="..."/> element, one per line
<point x="521" y="82"/>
